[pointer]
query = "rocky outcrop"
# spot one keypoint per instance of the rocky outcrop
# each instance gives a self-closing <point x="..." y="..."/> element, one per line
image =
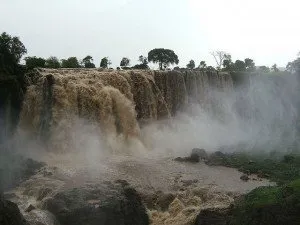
<point x="10" y="213"/>
<point x="15" y="169"/>
<point x="196" y="155"/>
<point x="213" y="216"/>
<point x="107" y="204"/>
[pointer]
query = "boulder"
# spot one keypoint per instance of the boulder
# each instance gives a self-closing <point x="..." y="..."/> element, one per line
<point x="10" y="213"/>
<point x="107" y="203"/>
<point x="213" y="216"/>
<point x="244" y="177"/>
<point x="216" y="159"/>
<point x="195" y="157"/>
<point x="14" y="169"/>
<point x="201" y="153"/>
<point x="164" y="200"/>
<point x="30" y="208"/>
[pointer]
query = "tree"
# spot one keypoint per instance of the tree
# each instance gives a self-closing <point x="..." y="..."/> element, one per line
<point x="52" y="62"/>
<point x="34" y="62"/>
<point x="294" y="66"/>
<point x="11" y="52"/>
<point x="239" y="65"/>
<point x="228" y="65"/>
<point x="274" y="68"/>
<point x="105" y="62"/>
<point x="219" y="56"/>
<point x="264" y="69"/>
<point x="125" y="62"/>
<point x="191" y="65"/>
<point x="143" y="60"/>
<point x="164" y="57"/>
<point x="211" y="68"/>
<point x="71" y="62"/>
<point x="143" y="65"/>
<point x="88" y="62"/>
<point x="202" y="65"/>
<point x="250" y="65"/>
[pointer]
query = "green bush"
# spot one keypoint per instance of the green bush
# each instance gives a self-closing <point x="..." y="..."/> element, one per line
<point x="269" y="205"/>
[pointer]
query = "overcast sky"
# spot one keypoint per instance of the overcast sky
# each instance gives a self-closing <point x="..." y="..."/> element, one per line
<point x="267" y="31"/>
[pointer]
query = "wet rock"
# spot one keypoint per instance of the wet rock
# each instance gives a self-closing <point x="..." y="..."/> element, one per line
<point x="216" y="159"/>
<point x="201" y="153"/>
<point x="191" y="159"/>
<point x="189" y="182"/>
<point x="43" y="192"/>
<point x="107" y="204"/>
<point x="214" y="216"/>
<point x="150" y="199"/>
<point x="16" y="169"/>
<point x="244" y="177"/>
<point x="164" y="200"/>
<point x="10" y="213"/>
<point x="195" y="157"/>
<point x="180" y="159"/>
<point x="30" y="208"/>
<point x="9" y="195"/>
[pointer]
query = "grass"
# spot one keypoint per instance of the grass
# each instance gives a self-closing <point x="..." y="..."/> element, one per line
<point x="271" y="204"/>
<point x="281" y="169"/>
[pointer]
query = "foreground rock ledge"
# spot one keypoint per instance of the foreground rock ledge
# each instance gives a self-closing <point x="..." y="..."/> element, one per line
<point x="10" y="213"/>
<point x="107" y="204"/>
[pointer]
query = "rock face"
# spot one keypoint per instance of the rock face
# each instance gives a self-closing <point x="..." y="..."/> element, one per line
<point x="10" y="213"/>
<point x="105" y="204"/>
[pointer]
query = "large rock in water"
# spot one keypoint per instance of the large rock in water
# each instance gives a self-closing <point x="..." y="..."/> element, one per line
<point x="10" y="213"/>
<point x="213" y="216"/>
<point x="105" y="204"/>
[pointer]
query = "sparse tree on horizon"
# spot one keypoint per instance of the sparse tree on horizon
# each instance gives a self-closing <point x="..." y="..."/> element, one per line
<point x="143" y="60"/>
<point x="125" y="62"/>
<point x="274" y="68"/>
<point x="294" y="66"/>
<point x="202" y="65"/>
<point x="71" y="62"/>
<point x="264" y="69"/>
<point x="239" y="65"/>
<point x="88" y="62"/>
<point x="250" y="65"/>
<point x="34" y="62"/>
<point x="211" y="68"/>
<point x="11" y="52"/>
<point x="105" y="62"/>
<point x="52" y="62"/>
<point x="164" y="57"/>
<point x="191" y="65"/>
<point x="219" y="56"/>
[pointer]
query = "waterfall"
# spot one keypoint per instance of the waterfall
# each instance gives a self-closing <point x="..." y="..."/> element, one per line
<point x="116" y="102"/>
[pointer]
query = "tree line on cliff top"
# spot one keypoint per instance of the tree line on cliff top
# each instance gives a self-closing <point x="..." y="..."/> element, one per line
<point x="12" y="50"/>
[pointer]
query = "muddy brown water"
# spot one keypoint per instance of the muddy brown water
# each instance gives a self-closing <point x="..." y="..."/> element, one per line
<point x="148" y="175"/>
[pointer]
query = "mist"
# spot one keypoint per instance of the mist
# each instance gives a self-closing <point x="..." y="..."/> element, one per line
<point x="259" y="115"/>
